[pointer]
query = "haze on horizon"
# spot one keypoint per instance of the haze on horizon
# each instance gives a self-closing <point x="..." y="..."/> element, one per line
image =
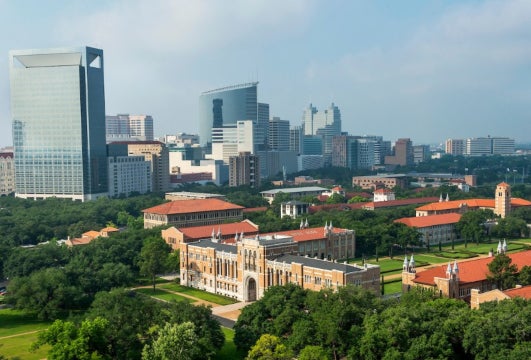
<point x="428" y="70"/>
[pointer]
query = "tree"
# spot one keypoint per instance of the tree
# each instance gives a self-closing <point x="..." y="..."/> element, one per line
<point x="313" y="352"/>
<point x="154" y="258"/>
<point x="269" y="347"/>
<point x="69" y="341"/>
<point x="502" y="272"/>
<point x="174" y="341"/>
<point x="471" y="225"/>
<point x="335" y="199"/>
<point x="510" y="227"/>
<point x="524" y="277"/>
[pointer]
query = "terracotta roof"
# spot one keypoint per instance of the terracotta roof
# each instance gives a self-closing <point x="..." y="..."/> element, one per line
<point x="471" y="203"/>
<point x="433" y="220"/>
<point x="400" y="202"/>
<point x="191" y="206"/>
<point x="109" y="229"/>
<point x="91" y="234"/>
<point x="255" y="209"/>
<point x="383" y="191"/>
<point x="470" y="270"/>
<point x="307" y="234"/>
<point x="78" y="241"/>
<point x="523" y="292"/>
<point x="203" y="232"/>
<point x="503" y="183"/>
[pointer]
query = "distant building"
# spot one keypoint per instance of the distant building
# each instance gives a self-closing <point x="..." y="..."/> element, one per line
<point x="7" y="173"/>
<point x="490" y="146"/>
<point x="296" y="134"/>
<point x="244" y="169"/>
<point x="421" y="153"/>
<point x="186" y="195"/>
<point x="279" y="134"/>
<point x="309" y="162"/>
<point x="383" y="194"/>
<point x="433" y="229"/>
<point x="129" y="174"/>
<point x="88" y="236"/>
<point x="125" y="127"/>
<point x="182" y="139"/>
<point x="294" y="193"/>
<point x="455" y="147"/>
<point x="377" y="181"/>
<point x="198" y="212"/>
<point x="293" y="209"/>
<point x="273" y="163"/>
<point x="402" y="153"/>
<point x="232" y="140"/>
<point x="155" y="152"/>
<point x="326" y="124"/>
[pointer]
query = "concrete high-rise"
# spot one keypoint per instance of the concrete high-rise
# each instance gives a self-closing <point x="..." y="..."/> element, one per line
<point x="58" y="111"/>
<point x="279" y="134"/>
<point x="455" y="146"/>
<point x="326" y="124"/>
<point x="125" y="127"/>
<point x="244" y="169"/>
<point x="402" y="153"/>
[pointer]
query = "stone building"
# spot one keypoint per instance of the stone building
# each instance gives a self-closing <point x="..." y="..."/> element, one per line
<point x="247" y="268"/>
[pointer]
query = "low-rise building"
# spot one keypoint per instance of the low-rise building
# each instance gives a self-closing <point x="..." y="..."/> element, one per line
<point x="195" y="212"/>
<point x="378" y="181"/>
<point x="477" y="298"/>
<point x="433" y="229"/>
<point x="293" y="209"/>
<point x="294" y="193"/>
<point x="383" y="194"/>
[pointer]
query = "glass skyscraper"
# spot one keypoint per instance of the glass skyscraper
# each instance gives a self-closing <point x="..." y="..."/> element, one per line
<point x="227" y="106"/>
<point x="58" y="111"/>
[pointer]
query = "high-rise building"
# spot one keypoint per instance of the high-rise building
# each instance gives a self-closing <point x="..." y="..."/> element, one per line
<point x="479" y="146"/>
<point x="502" y="146"/>
<point x="421" y="153"/>
<point x="296" y="134"/>
<point x="262" y="127"/>
<point x="402" y="154"/>
<point x="455" y="146"/>
<point x="129" y="174"/>
<point x="279" y="134"/>
<point x="226" y="106"/>
<point x="244" y="169"/>
<point x="315" y="120"/>
<point x="354" y="152"/>
<point x="58" y="110"/>
<point x="230" y="140"/>
<point x="125" y="127"/>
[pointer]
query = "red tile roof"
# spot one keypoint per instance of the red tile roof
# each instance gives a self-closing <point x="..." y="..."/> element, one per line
<point x="401" y="202"/>
<point x="255" y="209"/>
<point x="523" y="292"/>
<point x="520" y="202"/>
<point x="308" y="234"/>
<point x="191" y="206"/>
<point x="432" y="220"/>
<point x="91" y="234"/>
<point x="470" y="270"/>
<point x="471" y="203"/>
<point x="203" y="232"/>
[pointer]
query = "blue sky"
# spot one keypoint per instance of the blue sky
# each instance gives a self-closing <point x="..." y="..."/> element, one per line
<point x="428" y="70"/>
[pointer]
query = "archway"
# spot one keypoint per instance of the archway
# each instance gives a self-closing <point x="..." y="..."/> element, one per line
<point x="251" y="290"/>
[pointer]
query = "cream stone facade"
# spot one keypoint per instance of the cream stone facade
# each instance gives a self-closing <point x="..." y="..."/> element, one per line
<point x="247" y="268"/>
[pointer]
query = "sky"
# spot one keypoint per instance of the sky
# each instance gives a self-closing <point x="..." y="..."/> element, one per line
<point x="424" y="69"/>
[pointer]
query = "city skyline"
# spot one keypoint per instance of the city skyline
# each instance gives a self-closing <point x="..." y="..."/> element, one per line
<point x="424" y="70"/>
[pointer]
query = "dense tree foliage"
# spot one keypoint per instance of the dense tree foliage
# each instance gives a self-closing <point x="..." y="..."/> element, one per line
<point x="154" y="258"/>
<point x="354" y="324"/>
<point x="502" y="272"/>
<point x="471" y="226"/>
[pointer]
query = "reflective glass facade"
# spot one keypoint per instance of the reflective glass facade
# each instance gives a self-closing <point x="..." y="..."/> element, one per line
<point x="225" y="107"/>
<point x="58" y="110"/>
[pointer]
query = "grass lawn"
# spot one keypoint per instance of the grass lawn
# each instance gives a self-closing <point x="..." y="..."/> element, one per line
<point x="163" y="295"/>
<point x="393" y="287"/>
<point x="200" y="294"/>
<point x="13" y="322"/>
<point x="429" y="258"/>
<point x="143" y="281"/>
<point x="229" y="351"/>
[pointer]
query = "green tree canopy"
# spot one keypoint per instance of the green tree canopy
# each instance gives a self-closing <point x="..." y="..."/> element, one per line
<point x="154" y="257"/>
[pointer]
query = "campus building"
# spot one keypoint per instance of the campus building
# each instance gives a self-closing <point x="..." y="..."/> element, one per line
<point x="378" y="181"/>
<point x="247" y="268"/>
<point x="7" y="173"/>
<point x="196" y="212"/>
<point x="457" y="280"/>
<point x="433" y="229"/>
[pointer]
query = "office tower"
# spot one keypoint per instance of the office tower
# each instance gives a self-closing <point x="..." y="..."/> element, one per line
<point x="7" y="173"/>
<point x="230" y="140"/>
<point x="421" y="153"/>
<point x="262" y="127"/>
<point x="402" y="154"/>
<point x="244" y="169"/>
<point x="226" y="106"/>
<point x="153" y="151"/>
<point x="315" y="120"/>
<point x="479" y="146"/>
<point x="58" y="110"/>
<point x="354" y="152"/>
<point x="125" y="127"/>
<point x="312" y="145"/>
<point x="128" y="174"/>
<point x="502" y="146"/>
<point x="295" y="139"/>
<point x="455" y="147"/>
<point x="279" y="134"/>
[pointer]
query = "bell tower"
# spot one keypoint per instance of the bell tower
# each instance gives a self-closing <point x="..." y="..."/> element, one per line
<point x="502" y="200"/>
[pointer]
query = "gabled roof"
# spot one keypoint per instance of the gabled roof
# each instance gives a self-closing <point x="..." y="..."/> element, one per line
<point x="109" y="229"/>
<point x="433" y="220"/>
<point x="91" y="234"/>
<point x="191" y="206"/>
<point x="315" y="233"/>
<point x="400" y="202"/>
<point x="471" y="270"/>
<point x="523" y="292"/>
<point x="318" y="264"/>
<point x="471" y="203"/>
<point x="204" y="232"/>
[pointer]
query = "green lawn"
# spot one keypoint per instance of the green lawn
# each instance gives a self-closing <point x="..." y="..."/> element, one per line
<point x="15" y="322"/>
<point x="163" y="295"/>
<point x="200" y="294"/>
<point x="229" y="351"/>
<point x="393" y="287"/>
